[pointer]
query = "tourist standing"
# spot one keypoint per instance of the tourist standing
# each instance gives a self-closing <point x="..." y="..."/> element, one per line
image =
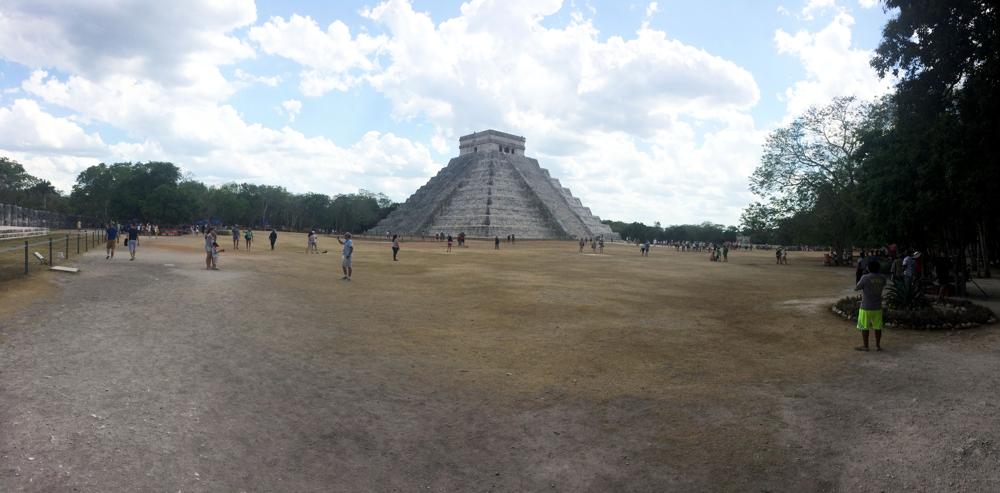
<point x="311" y="245"/>
<point x="236" y="237"/>
<point x="112" y="237"/>
<point x="248" y="237"/>
<point x="133" y="240"/>
<point x="395" y="247"/>
<point x="725" y="253"/>
<point x="582" y="243"/>
<point x="210" y="249"/>
<point x="600" y="244"/>
<point x="449" y="243"/>
<point x="870" y="313"/>
<point x="496" y="242"/>
<point x="345" y="263"/>
<point x="273" y="237"/>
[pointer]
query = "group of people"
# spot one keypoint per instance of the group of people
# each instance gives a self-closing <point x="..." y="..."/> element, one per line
<point x="595" y="244"/>
<point x="781" y="256"/>
<point x="719" y="253"/>
<point x="907" y="266"/>
<point x="130" y="239"/>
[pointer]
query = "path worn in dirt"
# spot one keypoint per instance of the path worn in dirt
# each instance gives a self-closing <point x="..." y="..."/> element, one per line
<point x="531" y="369"/>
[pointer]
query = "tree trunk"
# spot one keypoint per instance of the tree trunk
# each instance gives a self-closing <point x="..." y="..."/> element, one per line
<point x="984" y="256"/>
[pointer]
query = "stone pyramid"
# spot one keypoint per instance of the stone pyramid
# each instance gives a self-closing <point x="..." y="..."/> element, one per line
<point x="493" y="189"/>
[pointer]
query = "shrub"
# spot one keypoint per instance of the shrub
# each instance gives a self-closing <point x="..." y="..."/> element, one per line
<point x="903" y="295"/>
<point x="945" y="314"/>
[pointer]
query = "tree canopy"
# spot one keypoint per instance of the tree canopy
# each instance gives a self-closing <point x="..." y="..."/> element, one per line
<point x="20" y="188"/>
<point x="157" y="192"/>
<point x="919" y="168"/>
<point x="706" y="232"/>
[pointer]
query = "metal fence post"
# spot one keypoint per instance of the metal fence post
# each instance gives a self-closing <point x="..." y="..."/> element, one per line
<point x="50" y="250"/>
<point x="78" y="243"/>
<point x="25" y="257"/>
<point x="67" y="246"/>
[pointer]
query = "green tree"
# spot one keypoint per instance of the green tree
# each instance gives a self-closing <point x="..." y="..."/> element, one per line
<point x="812" y="165"/>
<point x="945" y="125"/>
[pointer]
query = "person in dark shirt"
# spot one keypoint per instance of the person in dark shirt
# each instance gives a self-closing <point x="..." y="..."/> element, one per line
<point x="870" y="313"/>
<point x="112" y="237"/>
<point x="273" y="237"/>
<point x="496" y="242"/>
<point x="133" y="240"/>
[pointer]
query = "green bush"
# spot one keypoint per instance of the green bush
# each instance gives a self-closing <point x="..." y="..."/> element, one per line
<point x="903" y="295"/>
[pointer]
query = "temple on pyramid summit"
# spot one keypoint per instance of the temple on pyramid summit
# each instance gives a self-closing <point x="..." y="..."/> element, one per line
<point x="493" y="189"/>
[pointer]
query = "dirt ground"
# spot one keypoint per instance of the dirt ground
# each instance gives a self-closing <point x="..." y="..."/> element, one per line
<point x="534" y="368"/>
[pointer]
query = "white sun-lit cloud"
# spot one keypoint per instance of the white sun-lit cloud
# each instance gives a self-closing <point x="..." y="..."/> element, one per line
<point x="834" y="67"/>
<point x="270" y="81"/>
<point x="292" y="108"/>
<point x="640" y="124"/>
<point x="814" y="7"/>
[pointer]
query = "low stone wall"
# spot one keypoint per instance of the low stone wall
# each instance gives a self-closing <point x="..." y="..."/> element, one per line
<point x="12" y="215"/>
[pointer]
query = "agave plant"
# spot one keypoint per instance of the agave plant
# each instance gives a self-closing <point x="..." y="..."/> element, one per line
<point x="902" y="295"/>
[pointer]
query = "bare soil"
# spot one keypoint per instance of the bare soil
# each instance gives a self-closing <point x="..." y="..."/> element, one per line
<point x="534" y="368"/>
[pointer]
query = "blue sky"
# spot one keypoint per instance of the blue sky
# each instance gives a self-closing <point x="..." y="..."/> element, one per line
<point x="650" y="111"/>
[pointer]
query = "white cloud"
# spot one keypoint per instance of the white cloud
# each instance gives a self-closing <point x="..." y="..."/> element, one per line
<point x="814" y="7"/>
<point x="639" y="126"/>
<point x="867" y="4"/>
<point x="248" y="78"/>
<point x="333" y="58"/>
<point x="50" y="147"/>
<point x="292" y="108"/>
<point x="179" y="44"/>
<point x="833" y="66"/>
<point x="606" y="116"/>
<point x="25" y="127"/>
<point x="651" y="9"/>
<point x="181" y="116"/>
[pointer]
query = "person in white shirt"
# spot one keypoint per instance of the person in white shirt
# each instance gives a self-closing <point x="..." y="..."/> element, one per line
<point x="345" y="263"/>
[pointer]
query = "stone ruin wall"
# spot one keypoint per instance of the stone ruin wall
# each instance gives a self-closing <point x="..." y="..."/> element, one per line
<point x="491" y="140"/>
<point x="23" y="217"/>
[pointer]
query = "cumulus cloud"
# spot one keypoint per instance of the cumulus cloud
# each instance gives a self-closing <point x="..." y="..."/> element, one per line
<point x="867" y="4"/>
<point x="179" y="43"/>
<point x="633" y="124"/>
<point x="833" y="66"/>
<point x="652" y="9"/>
<point x="612" y="118"/>
<point x="25" y="127"/>
<point x="814" y="7"/>
<point x="54" y="148"/>
<point x="639" y="125"/>
<point x="292" y="108"/>
<point x="157" y="78"/>
<point x="334" y="60"/>
<point x="248" y="78"/>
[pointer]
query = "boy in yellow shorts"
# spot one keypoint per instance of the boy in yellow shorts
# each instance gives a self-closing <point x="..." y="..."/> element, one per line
<point x="870" y="314"/>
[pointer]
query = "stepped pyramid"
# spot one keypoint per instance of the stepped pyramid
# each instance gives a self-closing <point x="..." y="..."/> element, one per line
<point x="493" y="189"/>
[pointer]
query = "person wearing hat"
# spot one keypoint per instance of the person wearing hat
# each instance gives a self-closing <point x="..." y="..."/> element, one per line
<point x="345" y="264"/>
